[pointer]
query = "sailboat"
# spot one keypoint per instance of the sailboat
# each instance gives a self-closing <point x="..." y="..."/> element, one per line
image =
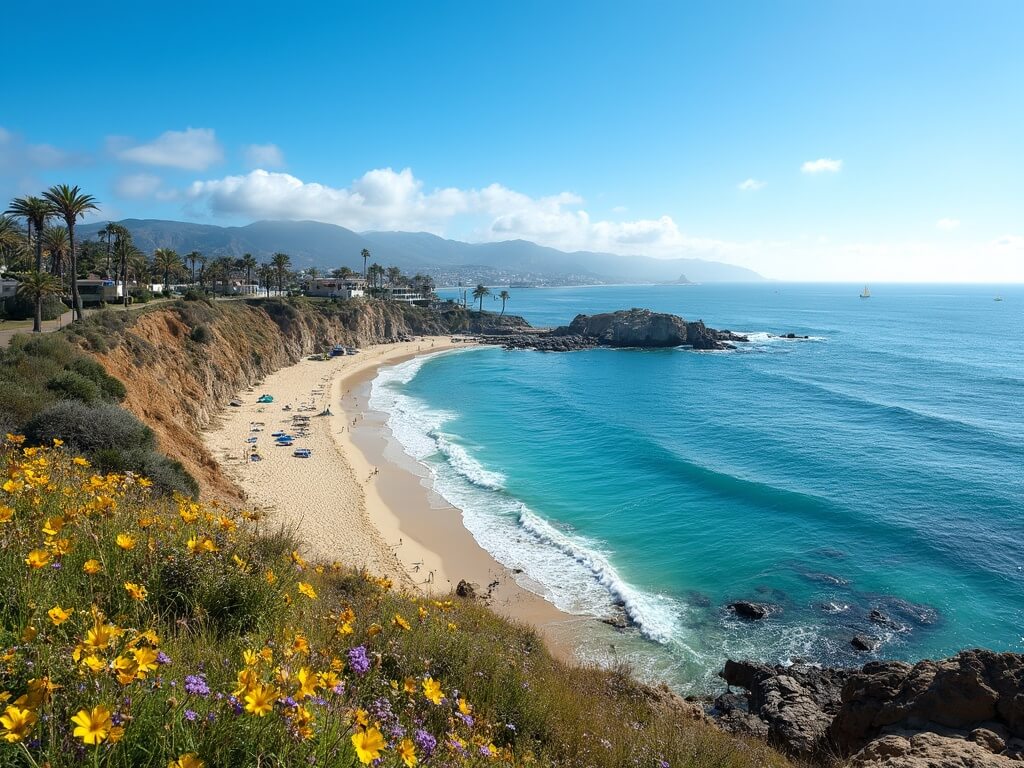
<point x="865" y="294"/>
<point x="998" y="298"/>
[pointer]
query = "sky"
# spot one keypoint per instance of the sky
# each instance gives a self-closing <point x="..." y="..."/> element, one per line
<point x="855" y="141"/>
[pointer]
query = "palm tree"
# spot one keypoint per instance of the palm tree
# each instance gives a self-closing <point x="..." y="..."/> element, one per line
<point x="56" y="241"/>
<point x="202" y="270"/>
<point x="394" y="276"/>
<point x="124" y="250"/>
<point x="165" y="261"/>
<point x="36" y="286"/>
<point x="280" y="262"/>
<point x="107" y="234"/>
<point x="265" y="272"/>
<point x="72" y="204"/>
<point x="504" y="296"/>
<point x="192" y="258"/>
<point x="366" y="256"/>
<point x="248" y="263"/>
<point x="479" y="292"/>
<point x="35" y="211"/>
<point x="12" y="240"/>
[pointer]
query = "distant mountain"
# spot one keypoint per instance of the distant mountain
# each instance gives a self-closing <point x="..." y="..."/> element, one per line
<point x="311" y="243"/>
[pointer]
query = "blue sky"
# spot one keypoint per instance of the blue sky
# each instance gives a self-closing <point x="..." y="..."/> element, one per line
<point x="807" y="140"/>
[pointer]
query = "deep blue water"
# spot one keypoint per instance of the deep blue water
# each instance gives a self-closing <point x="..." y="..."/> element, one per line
<point x="878" y="465"/>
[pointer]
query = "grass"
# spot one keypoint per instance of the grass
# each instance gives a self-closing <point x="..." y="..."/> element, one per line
<point x="192" y="635"/>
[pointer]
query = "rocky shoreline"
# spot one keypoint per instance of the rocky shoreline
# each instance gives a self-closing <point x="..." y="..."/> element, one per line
<point x="964" y="711"/>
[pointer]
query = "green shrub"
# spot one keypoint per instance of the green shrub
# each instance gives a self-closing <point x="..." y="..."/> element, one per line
<point x="21" y="308"/>
<point x="89" y="429"/>
<point x="69" y="385"/>
<point x="141" y="295"/>
<point x="201" y="334"/>
<point x="111" y="388"/>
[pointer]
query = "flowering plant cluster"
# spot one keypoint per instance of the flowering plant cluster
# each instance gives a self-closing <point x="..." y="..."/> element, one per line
<point x="139" y="630"/>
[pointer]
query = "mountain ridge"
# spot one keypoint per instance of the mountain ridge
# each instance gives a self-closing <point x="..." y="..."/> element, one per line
<point x="317" y="244"/>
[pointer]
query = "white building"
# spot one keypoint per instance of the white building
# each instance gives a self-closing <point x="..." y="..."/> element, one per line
<point x="336" y="287"/>
<point x="8" y="289"/>
<point x="100" y="290"/>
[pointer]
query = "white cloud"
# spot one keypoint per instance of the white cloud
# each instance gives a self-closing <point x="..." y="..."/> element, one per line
<point x="137" y="186"/>
<point x="263" y="156"/>
<point x="194" y="149"/>
<point x="822" y="165"/>
<point x="387" y="199"/>
<point x="947" y="224"/>
<point x="751" y="185"/>
<point x="20" y="156"/>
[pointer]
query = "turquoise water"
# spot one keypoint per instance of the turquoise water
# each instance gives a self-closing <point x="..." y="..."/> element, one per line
<point x="877" y="465"/>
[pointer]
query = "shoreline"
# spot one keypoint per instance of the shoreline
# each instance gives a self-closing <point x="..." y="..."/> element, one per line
<point x="359" y="499"/>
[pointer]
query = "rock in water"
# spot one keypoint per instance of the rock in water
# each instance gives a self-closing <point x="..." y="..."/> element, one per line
<point x="861" y="643"/>
<point x="747" y="610"/>
<point x="639" y="328"/>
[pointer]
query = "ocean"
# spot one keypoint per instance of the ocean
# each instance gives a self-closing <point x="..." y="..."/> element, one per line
<point x="876" y="466"/>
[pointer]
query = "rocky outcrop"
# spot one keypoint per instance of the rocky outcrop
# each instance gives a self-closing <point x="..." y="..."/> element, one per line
<point x="963" y="711"/>
<point x="747" y="610"/>
<point x="639" y="328"/>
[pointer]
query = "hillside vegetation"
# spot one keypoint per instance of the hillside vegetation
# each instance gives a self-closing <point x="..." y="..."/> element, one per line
<point x="146" y="630"/>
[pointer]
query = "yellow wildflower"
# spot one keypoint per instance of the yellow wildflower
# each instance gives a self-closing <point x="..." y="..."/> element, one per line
<point x="17" y="723"/>
<point x="250" y="658"/>
<point x="125" y="542"/>
<point x="92" y="726"/>
<point x="373" y="630"/>
<point x="37" y="558"/>
<point x="260" y="700"/>
<point x="398" y="621"/>
<point x="368" y="743"/>
<point x="53" y="525"/>
<point x="464" y="707"/>
<point x="78" y="460"/>
<point x="145" y="659"/>
<point x="409" y="685"/>
<point x="59" y="615"/>
<point x="307" y="683"/>
<point x="188" y="760"/>
<point x="6" y="513"/>
<point x="432" y="690"/>
<point x="137" y="591"/>
<point x="307" y="590"/>
<point x="92" y="567"/>
<point x="361" y="717"/>
<point x="407" y="751"/>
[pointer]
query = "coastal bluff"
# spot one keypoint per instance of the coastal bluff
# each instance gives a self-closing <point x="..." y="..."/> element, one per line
<point x="964" y="711"/>
<point x="628" y="328"/>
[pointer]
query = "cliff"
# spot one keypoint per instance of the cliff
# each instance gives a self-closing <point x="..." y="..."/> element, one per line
<point x="182" y="363"/>
<point x="965" y="711"/>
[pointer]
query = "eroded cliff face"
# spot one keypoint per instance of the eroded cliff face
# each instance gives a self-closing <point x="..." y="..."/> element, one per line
<point x="182" y="364"/>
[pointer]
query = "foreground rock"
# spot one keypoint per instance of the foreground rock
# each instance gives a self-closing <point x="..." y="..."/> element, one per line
<point x="967" y="710"/>
<point x="639" y="328"/>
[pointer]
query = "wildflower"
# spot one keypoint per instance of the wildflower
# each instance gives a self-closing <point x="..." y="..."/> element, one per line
<point x="271" y="577"/>
<point x="94" y="663"/>
<point x="452" y="626"/>
<point x="307" y="683"/>
<point x="358" y="660"/>
<point x="6" y="513"/>
<point x="59" y="615"/>
<point x="250" y="658"/>
<point x="146" y="659"/>
<point x="464" y="707"/>
<point x="198" y="546"/>
<point x="125" y="542"/>
<point x="361" y="717"/>
<point x="92" y="567"/>
<point x="52" y="526"/>
<point x="425" y="741"/>
<point x="162" y="658"/>
<point x="191" y="715"/>
<point x="423" y="613"/>
<point x="307" y="590"/>
<point x="407" y="751"/>
<point x="259" y="700"/>
<point x="92" y="726"/>
<point x="137" y="591"/>
<point x="409" y="685"/>
<point x="197" y="685"/>
<point x="37" y="558"/>
<point x="432" y="690"/>
<point x="398" y="621"/>
<point x="188" y="760"/>
<point x="345" y="629"/>
<point x="374" y="629"/>
<point x="368" y="743"/>
<point x="79" y="461"/>
<point x="17" y="723"/>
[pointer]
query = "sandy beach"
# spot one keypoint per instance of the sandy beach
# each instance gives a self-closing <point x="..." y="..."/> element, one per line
<point x="358" y="499"/>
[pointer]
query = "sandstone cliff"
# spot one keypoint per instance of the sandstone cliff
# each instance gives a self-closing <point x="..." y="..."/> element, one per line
<point x="181" y="364"/>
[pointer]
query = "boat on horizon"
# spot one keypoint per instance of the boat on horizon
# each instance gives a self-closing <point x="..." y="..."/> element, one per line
<point x="865" y="294"/>
<point x="998" y="298"/>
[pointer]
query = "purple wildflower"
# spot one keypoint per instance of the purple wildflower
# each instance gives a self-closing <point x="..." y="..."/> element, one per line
<point x="358" y="660"/>
<point x="425" y="741"/>
<point x="191" y="715"/>
<point x="196" y="685"/>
